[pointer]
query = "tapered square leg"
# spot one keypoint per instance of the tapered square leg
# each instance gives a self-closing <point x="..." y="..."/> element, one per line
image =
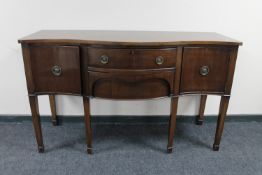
<point x="36" y="122"/>
<point x="220" y="121"/>
<point x="88" y="124"/>
<point x="172" y="124"/>
<point x="200" y="117"/>
<point x="53" y="110"/>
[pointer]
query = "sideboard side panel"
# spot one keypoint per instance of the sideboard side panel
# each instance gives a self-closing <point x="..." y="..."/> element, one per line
<point x="232" y="64"/>
<point x="28" y="69"/>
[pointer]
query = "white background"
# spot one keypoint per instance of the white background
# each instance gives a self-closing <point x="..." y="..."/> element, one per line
<point x="239" y="19"/>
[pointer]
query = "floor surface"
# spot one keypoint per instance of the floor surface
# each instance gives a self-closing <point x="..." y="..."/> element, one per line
<point x="131" y="149"/>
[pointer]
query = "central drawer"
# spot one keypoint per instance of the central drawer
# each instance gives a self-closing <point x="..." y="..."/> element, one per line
<point x="118" y="58"/>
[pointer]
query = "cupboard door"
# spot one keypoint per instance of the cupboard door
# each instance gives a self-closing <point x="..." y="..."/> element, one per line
<point x="204" y="69"/>
<point x="56" y="69"/>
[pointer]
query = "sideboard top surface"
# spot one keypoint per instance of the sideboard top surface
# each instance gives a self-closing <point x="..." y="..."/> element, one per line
<point x="106" y="37"/>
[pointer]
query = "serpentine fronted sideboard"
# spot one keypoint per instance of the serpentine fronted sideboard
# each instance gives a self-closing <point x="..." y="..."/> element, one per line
<point x="128" y="65"/>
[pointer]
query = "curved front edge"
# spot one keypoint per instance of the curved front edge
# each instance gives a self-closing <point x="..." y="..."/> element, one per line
<point x="131" y="85"/>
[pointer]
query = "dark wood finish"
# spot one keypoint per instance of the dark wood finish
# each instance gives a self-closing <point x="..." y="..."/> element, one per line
<point x="129" y="70"/>
<point x="36" y="122"/>
<point x="127" y="38"/>
<point x="217" y="60"/>
<point x="200" y="117"/>
<point x="231" y="70"/>
<point x="43" y="58"/>
<point x="88" y="124"/>
<point x="28" y="69"/>
<point x="172" y="124"/>
<point x="53" y="110"/>
<point x="129" y="58"/>
<point x="220" y="121"/>
<point x="131" y="85"/>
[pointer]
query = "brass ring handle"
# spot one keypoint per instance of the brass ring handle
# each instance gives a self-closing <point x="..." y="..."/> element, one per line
<point x="104" y="59"/>
<point x="56" y="70"/>
<point x="159" y="60"/>
<point x="204" y="70"/>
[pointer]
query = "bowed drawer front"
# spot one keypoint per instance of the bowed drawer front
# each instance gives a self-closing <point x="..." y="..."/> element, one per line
<point x="131" y="85"/>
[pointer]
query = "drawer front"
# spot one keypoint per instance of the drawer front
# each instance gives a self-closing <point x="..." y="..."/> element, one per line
<point x="56" y="69"/>
<point x="129" y="58"/>
<point x="131" y="85"/>
<point x="204" y="69"/>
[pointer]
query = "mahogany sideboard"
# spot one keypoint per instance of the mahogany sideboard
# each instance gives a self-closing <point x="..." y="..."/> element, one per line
<point x="128" y="65"/>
